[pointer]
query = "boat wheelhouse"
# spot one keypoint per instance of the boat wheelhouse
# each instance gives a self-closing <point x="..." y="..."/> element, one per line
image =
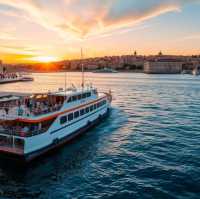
<point x="32" y="124"/>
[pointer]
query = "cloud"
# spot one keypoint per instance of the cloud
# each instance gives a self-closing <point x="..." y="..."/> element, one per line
<point x="192" y="37"/>
<point x="83" y="18"/>
<point x="23" y="50"/>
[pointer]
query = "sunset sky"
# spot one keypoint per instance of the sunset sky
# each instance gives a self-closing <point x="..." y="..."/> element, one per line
<point x="50" y="30"/>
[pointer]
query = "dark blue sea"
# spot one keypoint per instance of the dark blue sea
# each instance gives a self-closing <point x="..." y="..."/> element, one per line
<point x="148" y="148"/>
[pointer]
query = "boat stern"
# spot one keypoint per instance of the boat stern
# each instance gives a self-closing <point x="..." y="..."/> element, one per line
<point x="11" y="147"/>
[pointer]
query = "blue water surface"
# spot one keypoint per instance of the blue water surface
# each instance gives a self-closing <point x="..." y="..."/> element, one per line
<point x="149" y="146"/>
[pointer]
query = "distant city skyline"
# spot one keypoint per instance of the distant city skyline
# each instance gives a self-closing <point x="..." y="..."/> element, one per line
<point x="37" y="31"/>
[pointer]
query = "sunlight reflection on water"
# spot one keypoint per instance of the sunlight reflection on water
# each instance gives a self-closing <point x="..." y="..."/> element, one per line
<point x="147" y="148"/>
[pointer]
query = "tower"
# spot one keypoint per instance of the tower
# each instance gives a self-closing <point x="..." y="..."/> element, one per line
<point x="1" y="66"/>
<point x="160" y="53"/>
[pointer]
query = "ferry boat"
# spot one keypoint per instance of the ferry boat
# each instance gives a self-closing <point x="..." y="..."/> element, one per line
<point x="31" y="125"/>
<point x="14" y="77"/>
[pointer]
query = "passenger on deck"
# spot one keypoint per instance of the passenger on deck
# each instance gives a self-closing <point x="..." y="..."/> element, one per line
<point x="20" y="111"/>
<point x="6" y="110"/>
<point x="12" y="111"/>
<point x="2" y="112"/>
<point x="56" y="106"/>
<point x="27" y="112"/>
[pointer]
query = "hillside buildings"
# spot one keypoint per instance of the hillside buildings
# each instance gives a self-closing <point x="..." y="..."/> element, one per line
<point x="164" y="64"/>
<point x="158" y="64"/>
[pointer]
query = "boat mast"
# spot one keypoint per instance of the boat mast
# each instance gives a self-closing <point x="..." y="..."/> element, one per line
<point x="65" y="82"/>
<point x="82" y="69"/>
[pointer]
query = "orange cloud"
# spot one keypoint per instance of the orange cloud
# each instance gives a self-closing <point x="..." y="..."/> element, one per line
<point x="79" y="18"/>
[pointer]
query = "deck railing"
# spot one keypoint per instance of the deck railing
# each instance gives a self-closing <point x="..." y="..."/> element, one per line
<point x="21" y="133"/>
<point x="10" y="143"/>
<point x="26" y="112"/>
<point x="46" y="111"/>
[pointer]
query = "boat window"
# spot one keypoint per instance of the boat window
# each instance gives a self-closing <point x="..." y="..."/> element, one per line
<point x="70" y="117"/>
<point x="63" y="119"/>
<point x="95" y="106"/>
<point x="102" y="103"/>
<point x="79" y="97"/>
<point x="74" y="98"/>
<point x="76" y="114"/>
<point x="88" y="94"/>
<point x="98" y="104"/>
<point x="91" y="108"/>
<point x="82" y="112"/>
<point x="70" y="99"/>
<point x="84" y="95"/>
<point x="87" y="110"/>
<point x="95" y="92"/>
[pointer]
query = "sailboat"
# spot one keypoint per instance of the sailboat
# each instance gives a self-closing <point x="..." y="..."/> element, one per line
<point x="196" y="72"/>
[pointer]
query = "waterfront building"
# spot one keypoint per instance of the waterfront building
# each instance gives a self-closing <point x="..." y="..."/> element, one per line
<point x="163" y="67"/>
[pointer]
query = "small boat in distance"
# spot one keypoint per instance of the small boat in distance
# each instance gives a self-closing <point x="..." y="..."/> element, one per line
<point x="6" y="77"/>
<point x="105" y="70"/>
<point x="196" y="72"/>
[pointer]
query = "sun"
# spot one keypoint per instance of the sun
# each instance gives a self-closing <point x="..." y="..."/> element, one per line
<point x="44" y="59"/>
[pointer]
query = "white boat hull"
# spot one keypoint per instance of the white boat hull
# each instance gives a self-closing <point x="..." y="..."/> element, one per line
<point x="57" y="135"/>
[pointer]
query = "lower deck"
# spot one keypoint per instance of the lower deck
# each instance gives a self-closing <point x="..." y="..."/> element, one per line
<point x="18" y="153"/>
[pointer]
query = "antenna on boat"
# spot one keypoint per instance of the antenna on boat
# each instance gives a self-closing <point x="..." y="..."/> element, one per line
<point x="65" y="83"/>
<point x="82" y="69"/>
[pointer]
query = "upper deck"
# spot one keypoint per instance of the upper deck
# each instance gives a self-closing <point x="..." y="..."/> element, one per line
<point x="40" y="106"/>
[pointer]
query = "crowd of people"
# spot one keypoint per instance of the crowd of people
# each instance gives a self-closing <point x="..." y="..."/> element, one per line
<point x="29" y="107"/>
<point x="21" y="129"/>
<point x="40" y="107"/>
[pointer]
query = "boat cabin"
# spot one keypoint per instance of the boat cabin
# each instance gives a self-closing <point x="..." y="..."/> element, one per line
<point x="33" y="114"/>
